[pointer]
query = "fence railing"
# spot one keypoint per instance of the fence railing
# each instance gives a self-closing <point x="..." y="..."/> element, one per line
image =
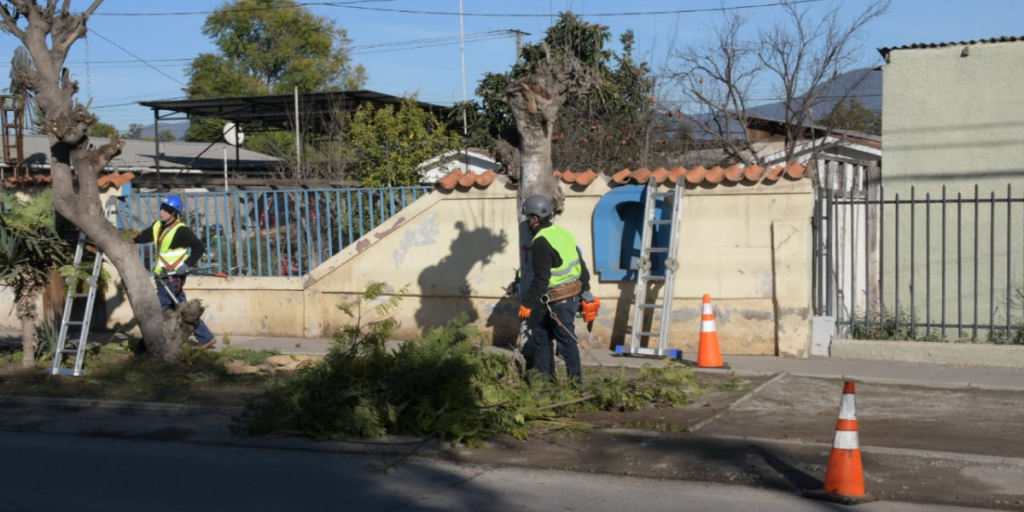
<point x="921" y="266"/>
<point x="272" y="232"/>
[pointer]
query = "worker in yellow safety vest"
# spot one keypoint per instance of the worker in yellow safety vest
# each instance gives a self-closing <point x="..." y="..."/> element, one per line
<point x="560" y="288"/>
<point x="178" y="249"/>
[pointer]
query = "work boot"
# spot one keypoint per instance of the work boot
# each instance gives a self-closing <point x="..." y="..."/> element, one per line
<point x="201" y="346"/>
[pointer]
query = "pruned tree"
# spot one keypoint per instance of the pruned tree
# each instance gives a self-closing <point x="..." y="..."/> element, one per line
<point x="49" y="30"/>
<point x="799" y="57"/>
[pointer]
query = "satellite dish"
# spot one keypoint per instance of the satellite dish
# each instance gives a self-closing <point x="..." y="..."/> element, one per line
<point x="233" y="134"/>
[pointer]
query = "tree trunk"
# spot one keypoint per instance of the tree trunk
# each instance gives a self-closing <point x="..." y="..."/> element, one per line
<point x="28" y="340"/>
<point x="137" y="281"/>
<point x="49" y="33"/>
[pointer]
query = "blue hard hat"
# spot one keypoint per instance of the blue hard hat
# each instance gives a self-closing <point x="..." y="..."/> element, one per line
<point x="174" y="202"/>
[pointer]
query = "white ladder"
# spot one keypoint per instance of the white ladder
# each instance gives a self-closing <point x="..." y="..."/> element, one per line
<point x="91" y="284"/>
<point x="674" y="200"/>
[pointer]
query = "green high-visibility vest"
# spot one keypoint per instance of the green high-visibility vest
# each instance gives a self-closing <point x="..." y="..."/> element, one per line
<point x="167" y="258"/>
<point x="564" y="244"/>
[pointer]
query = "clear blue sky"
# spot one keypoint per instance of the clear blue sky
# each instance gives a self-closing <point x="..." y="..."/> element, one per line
<point x="433" y="70"/>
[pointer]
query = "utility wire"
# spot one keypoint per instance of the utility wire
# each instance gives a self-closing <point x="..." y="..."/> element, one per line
<point x="136" y="56"/>
<point x="252" y="9"/>
<point x="592" y="15"/>
<point x="491" y="35"/>
<point x="351" y="5"/>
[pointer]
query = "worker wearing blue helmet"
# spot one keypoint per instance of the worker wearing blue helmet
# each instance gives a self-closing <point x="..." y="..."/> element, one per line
<point x="178" y="249"/>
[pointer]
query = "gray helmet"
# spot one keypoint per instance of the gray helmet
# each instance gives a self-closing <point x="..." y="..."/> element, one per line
<point x="537" y="205"/>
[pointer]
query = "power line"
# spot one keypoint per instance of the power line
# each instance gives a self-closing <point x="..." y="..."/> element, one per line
<point x="592" y="15"/>
<point x="252" y="9"/>
<point x="476" y="37"/>
<point x="137" y="57"/>
<point x="351" y="5"/>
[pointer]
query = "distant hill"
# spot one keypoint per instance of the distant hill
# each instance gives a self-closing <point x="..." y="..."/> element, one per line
<point x="176" y="129"/>
<point x="868" y="92"/>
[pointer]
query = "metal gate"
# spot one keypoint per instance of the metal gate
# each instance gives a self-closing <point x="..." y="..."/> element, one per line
<point x="932" y="266"/>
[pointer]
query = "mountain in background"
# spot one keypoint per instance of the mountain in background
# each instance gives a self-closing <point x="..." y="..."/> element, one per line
<point x="177" y="129"/>
<point x="864" y="85"/>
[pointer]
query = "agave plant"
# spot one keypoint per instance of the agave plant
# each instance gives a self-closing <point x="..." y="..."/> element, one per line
<point x="29" y="252"/>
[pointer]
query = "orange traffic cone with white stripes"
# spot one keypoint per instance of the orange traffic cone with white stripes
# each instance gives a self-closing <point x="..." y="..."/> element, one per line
<point x="708" y="353"/>
<point x="844" y="478"/>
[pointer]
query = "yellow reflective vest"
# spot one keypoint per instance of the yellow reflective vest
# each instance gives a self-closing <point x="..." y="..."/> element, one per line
<point x="564" y="243"/>
<point x="167" y="257"/>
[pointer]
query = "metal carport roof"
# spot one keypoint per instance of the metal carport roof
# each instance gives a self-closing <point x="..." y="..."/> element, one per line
<point x="316" y="110"/>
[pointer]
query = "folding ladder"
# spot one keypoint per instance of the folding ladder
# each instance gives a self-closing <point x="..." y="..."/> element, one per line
<point x="670" y="199"/>
<point x="64" y="348"/>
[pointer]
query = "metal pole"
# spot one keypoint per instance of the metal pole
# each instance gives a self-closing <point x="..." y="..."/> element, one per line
<point x="238" y="144"/>
<point x="974" y="331"/>
<point x="992" y="266"/>
<point x="462" y="38"/>
<point x="156" y="141"/>
<point x="896" y="240"/>
<point x="1009" y="267"/>
<point x="928" y="261"/>
<point x="298" y="131"/>
<point x="881" y="255"/>
<point x="959" y="265"/>
<point x="913" y="273"/>
<point x="943" y="262"/>
<point x="225" y="168"/>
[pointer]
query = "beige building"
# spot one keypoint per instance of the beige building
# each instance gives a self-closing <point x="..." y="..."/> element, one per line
<point x="952" y="116"/>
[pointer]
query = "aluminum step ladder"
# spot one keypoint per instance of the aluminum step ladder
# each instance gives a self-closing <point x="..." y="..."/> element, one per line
<point x="64" y="348"/>
<point x="661" y="310"/>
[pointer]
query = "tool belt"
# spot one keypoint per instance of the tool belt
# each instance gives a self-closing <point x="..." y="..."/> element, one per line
<point x="560" y="293"/>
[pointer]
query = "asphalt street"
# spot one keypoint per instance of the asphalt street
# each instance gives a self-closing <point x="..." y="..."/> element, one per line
<point x="46" y="472"/>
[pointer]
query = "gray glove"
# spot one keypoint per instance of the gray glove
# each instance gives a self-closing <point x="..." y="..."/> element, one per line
<point x="181" y="270"/>
<point x="587" y="296"/>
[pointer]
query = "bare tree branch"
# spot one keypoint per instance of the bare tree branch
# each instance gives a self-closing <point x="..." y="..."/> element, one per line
<point x="9" y="23"/>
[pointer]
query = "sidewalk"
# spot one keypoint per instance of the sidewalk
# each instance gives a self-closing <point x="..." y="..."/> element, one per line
<point x="866" y="371"/>
<point x="931" y="375"/>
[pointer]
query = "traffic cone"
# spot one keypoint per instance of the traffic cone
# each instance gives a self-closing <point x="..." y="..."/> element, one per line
<point x="708" y="353"/>
<point x="844" y="478"/>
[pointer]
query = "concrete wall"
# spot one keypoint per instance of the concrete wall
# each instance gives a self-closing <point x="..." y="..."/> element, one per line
<point x="746" y="246"/>
<point x="952" y="116"/>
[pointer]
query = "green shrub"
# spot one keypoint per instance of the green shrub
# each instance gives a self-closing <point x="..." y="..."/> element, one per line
<point x="441" y="386"/>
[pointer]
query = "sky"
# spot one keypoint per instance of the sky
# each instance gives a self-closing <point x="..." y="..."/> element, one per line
<point x="143" y="56"/>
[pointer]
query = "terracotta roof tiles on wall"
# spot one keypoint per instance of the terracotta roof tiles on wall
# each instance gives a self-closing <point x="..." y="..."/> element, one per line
<point x="44" y="180"/>
<point x="695" y="176"/>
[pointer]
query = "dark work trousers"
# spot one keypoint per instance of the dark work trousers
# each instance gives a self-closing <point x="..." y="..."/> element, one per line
<point x="202" y="333"/>
<point x="544" y="329"/>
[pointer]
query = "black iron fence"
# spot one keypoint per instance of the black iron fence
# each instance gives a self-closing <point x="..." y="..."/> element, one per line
<point x="933" y="266"/>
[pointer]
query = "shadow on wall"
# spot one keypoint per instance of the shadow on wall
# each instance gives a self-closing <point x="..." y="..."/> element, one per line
<point x="449" y="279"/>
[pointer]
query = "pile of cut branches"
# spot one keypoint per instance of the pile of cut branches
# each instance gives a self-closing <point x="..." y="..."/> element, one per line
<point x="441" y="386"/>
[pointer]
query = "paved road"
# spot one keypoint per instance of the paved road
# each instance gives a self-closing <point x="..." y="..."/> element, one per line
<point x="114" y="475"/>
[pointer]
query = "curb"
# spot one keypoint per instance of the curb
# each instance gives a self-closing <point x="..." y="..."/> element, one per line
<point x="83" y="403"/>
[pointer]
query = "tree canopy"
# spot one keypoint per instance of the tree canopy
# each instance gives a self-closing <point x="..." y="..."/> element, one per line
<point x="612" y="125"/>
<point x="853" y="115"/>
<point x="269" y="47"/>
<point x="391" y="145"/>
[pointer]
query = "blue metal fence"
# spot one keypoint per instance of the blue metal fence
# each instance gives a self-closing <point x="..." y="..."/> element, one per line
<point x="272" y="232"/>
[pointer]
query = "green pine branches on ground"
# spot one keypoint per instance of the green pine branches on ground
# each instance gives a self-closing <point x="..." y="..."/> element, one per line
<point x="442" y="386"/>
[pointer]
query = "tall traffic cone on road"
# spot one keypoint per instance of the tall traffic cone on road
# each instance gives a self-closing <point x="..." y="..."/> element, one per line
<point x="844" y="478"/>
<point x="708" y="354"/>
